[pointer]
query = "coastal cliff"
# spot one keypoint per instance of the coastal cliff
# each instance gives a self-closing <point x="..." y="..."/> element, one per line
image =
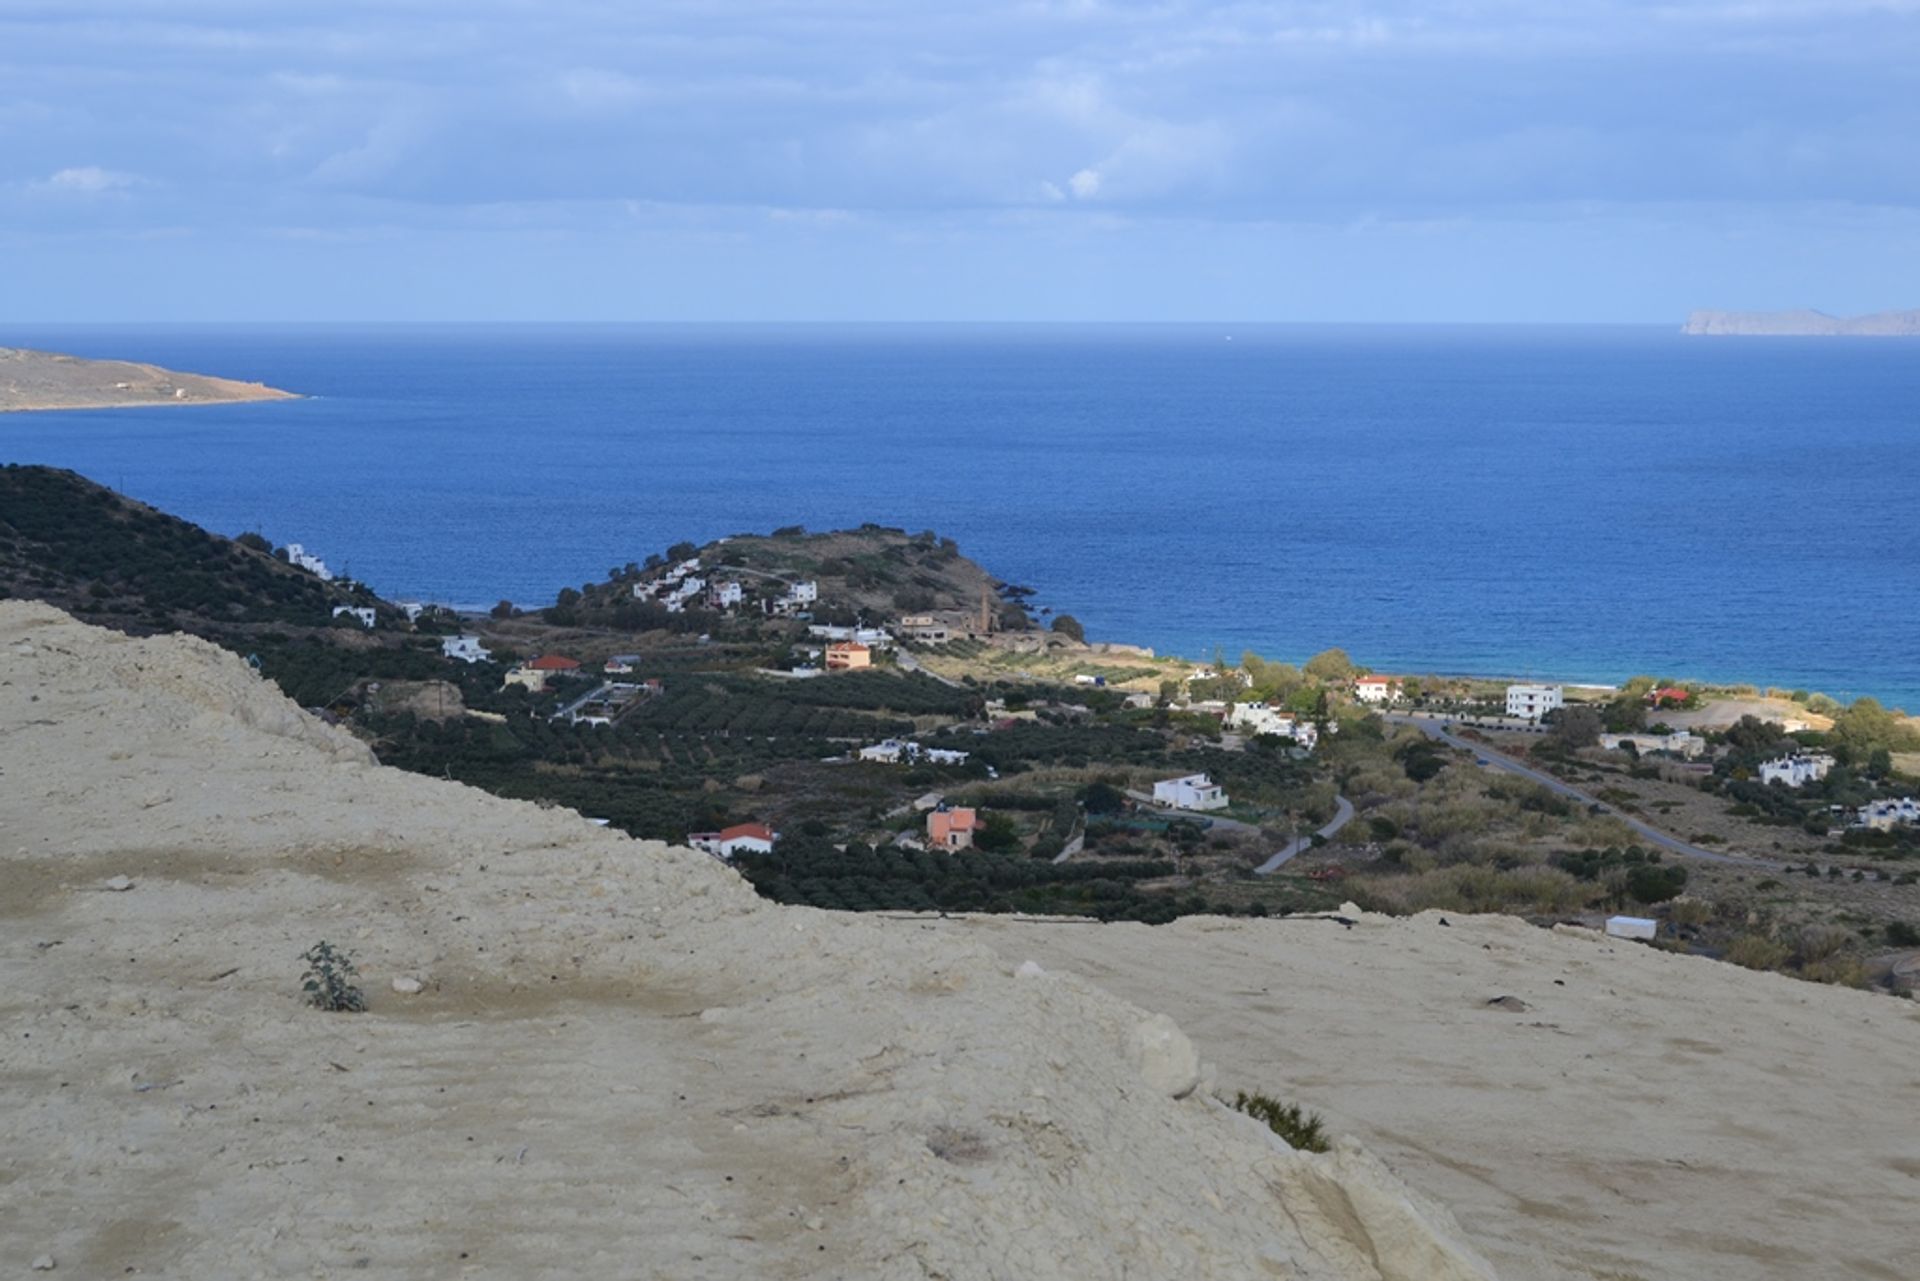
<point x="48" y="380"/>
<point x="1803" y="321"/>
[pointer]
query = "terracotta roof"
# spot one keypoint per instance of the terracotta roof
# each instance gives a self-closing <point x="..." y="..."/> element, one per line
<point x="846" y="647"/>
<point x="552" y="663"/>
<point x="757" y="831"/>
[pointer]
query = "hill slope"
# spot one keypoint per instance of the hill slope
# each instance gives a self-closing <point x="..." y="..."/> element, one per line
<point x="622" y="1062"/>
<point x="72" y="543"/>
<point x="48" y="380"/>
<point x="1641" y="1115"/>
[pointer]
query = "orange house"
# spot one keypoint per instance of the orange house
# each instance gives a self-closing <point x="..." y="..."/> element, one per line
<point x="951" y="829"/>
<point x="845" y="656"/>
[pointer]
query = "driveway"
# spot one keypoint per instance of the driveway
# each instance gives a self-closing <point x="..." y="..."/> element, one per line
<point x="1342" y="815"/>
<point x="1501" y="761"/>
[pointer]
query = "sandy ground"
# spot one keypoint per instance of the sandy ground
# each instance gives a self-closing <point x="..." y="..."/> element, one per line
<point x="622" y="1063"/>
<point x="1649" y="1116"/>
<point x="1722" y="712"/>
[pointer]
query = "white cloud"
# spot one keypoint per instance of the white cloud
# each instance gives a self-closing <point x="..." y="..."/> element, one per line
<point x="84" y="180"/>
<point x="594" y="89"/>
<point x="1085" y="184"/>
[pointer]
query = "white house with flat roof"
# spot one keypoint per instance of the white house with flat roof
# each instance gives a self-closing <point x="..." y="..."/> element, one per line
<point x="361" y="614"/>
<point x="298" y="555"/>
<point x="464" y="649"/>
<point x="1376" y="689"/>
<point x="895" y="751"/>
<point x="1883" y="816"/>
<point x="1797" y="770"/>
<point x="1531" y="702"/>
<point x="1265" y="718"/>
<point x="1194" y="792"/>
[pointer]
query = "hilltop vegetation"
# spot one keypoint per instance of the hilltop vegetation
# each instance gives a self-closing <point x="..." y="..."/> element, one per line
<point x="866" y="574"/>
<point x="120" y="563"/>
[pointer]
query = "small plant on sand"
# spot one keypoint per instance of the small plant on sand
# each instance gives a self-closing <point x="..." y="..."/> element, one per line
<point x="329" y="980"/>
<point x="1301" y="1129"/>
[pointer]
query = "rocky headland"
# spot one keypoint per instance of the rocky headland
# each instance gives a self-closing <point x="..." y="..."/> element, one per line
<point x="1803" y="321"/>
<point x="48" y="380"/>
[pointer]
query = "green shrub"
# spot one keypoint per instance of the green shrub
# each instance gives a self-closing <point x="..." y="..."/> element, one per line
<point x="1901" y="934"/>
<point x="329" y="980"/>
<point x="1300" y="1129"/>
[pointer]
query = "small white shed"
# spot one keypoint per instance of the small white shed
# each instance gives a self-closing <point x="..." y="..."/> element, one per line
<point x="1632" y="927"/>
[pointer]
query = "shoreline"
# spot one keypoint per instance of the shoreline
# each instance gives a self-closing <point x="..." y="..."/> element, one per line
<point x="271" y="394"/>
<point x="481" y="615"/>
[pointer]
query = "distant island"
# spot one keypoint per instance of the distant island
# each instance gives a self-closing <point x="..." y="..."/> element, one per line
<point x="47" y="380"/>
<point x="1804" y="321"/>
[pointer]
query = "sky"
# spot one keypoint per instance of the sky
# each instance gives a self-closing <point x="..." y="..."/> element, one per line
<point x="1024" y="160"/>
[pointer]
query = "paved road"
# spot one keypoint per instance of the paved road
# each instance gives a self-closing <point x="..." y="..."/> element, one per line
<point x="908" y="663"/>
<point x="1501" y="761"/>
<point x="1341" y="817"/>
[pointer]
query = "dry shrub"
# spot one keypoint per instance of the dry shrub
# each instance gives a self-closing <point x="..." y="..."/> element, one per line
<point x="1468" y="888"/>
<point x="1689" y="911"/>
<point x="1757" y="952"/>
<point x="1843" y="971"/>
<point x="1599" y="833"/>
<point x="1820" y="942"/>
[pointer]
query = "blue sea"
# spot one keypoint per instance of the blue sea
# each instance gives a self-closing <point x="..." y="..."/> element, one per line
<point x="1568" y="503"/>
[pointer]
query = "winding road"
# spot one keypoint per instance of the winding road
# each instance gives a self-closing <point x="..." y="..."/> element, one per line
<point x="1342" y="815"/>
<point x="1498" y="760"/>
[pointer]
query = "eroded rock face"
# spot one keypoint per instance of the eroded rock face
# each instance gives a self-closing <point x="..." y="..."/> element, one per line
<point x="625" y="1061"/>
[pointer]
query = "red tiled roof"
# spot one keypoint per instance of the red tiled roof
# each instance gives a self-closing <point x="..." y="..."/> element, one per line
<point x="757" y="831"/>
<point x="846" y="647"/>
<point x="552" y="663"/>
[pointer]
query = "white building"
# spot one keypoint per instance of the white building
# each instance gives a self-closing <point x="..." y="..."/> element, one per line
<point x="1376" y="689"/>
<point x="1531" y="702"/>
<point x="1797" y="770"/>
<point x="297" y="555"/>
<point x="872" y="637"/>
<point x="1264" y="718"/>
<point x="412" y="609"/>
<point x="1680" y="743"/>
<point x="1632" y="927"/>
<point x="1194" y="792"/>
<point x="803" y="593"/>
<point x="1882" y="816"/>
<point x="726" y="595"/>
<point x="743" y="838"/>
<point x="362" y="614"/>
<point x="895" y="751"/>
<point x="465" y="649"/>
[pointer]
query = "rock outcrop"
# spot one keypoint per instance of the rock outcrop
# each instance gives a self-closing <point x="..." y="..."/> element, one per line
<point x="583" y="1055"/>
